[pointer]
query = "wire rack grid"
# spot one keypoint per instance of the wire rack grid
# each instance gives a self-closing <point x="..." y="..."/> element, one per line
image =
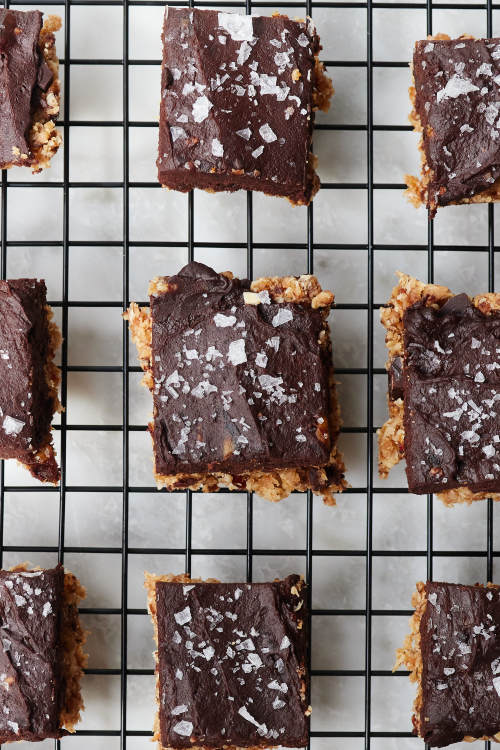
<point x="124" y="733"/>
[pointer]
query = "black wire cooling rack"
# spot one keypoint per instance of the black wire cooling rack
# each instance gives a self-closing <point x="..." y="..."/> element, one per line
<point x="365" y="735"/>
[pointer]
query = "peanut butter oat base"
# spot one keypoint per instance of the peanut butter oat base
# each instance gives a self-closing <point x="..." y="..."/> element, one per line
<point x="417" y="188"/>
<point x="278" y="484"/>
<point x="74" y="658"/>
<point x="150" y="581"/>
<point x="406" y="293"/>
<point x="43" y="138"/>
<point x="45" y="456"/>
<point x="410" y="655"/>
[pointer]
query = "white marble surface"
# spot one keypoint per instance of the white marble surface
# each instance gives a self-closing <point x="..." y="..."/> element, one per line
<point x="95" y="337"/>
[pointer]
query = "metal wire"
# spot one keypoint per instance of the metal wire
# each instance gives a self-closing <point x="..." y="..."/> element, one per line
<point x="307" y="551"/>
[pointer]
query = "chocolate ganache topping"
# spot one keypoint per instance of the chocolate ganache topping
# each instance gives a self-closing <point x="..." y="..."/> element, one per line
<point x="237" y="386"/>
<point x="229" y="662"/>
<point x="30" y="657"/>
<point x="457" y="84"/>
<point x="26" y="406"/>
<point x="236" y="107"/>
<point x="460" y="646"/>
<point x="23" y="74"/>
<point x="452" y="397"/>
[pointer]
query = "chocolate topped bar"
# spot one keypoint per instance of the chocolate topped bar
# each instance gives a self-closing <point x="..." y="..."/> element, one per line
<point x="238" y="384"/>
<point x="453" y="652"/>
<point x="25" y="76"/>
<point x="457" y="92"/>
<point x="237" y="106"/>
<point x="231" y="664"/>
<point x="452" y="396"/>
<point x="32" y="687"/>
<point x="242" y="380"/>
<point x="28" y="377"/>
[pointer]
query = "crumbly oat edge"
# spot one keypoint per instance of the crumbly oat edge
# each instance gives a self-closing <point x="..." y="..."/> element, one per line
<point x="410" y="654"/>
<point x="73" y="639"/>
<point x="417" y="188"/>
<point x="46" y="453"/>
<point x="276" y="485"/>
<point x="150" y="581"/>
<point x="407" y="292"/>
<point x="43" y="138"/>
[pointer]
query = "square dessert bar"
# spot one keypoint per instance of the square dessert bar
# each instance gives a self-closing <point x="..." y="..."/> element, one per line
<point x="231" y="663"/>
<point x="444" y="391"/>
<point x="42" y="658"/>
<point x="29" y="89"/>
<point x="456" y="107"/>
<point x="453" y="653"/>
<point x="242" y="382"/>
<point x="238" y="100"/>
<point x="29" y="378"/>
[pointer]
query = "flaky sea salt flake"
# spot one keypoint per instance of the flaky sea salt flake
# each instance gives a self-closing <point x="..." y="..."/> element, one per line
<point x="183" y="616"/>
<point x="224" y="321"/>
<point x="456" y="86"/>
<point x="12" y="426"/>
<point x="236" y="353"/>
<point x="282" y="316"/>
<point x="184" y="728"/>
<point x="266" y="133"/>
<point x="179" y="709"/>
<point x="239" y="27"/>
<point x="217" y="147"/>
<point x="201" y="108"/>
<point x="245" y="133"/>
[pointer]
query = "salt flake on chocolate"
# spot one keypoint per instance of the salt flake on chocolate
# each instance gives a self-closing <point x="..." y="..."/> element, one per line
<point x="455" y="87"/>
<point x="179" y="709"/>
<point x="183" y="616"/>
<point x="281" y="317"/>
<point x="261" y="728"/>
<point x="484" y="70"/>
<point x="201" y="108"/>
<point x="236" y="353"/>
<point x="224" y="321"/>
<point x="239" y="27"/>
<point x="12" y="426"/>
<point x="267" y="134"/>
<point x="217" y="147"/>
<point x="176" y="132"/>
<point x="184" y="728"/>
